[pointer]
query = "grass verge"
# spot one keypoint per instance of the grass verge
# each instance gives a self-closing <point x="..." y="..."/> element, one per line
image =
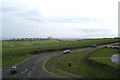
<point x="104" y="52"/>
<point x="106" y="61"/>
<point x="48" y="67"/>
<point x="82" y="68"/>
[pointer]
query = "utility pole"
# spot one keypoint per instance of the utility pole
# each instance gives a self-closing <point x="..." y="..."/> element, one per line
<point x="39" y="46"/>
<point x="60" y="45"/>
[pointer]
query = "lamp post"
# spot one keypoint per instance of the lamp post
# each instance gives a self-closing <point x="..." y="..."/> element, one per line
<point x="60" y="45"/>
<point x="39" y="46"/>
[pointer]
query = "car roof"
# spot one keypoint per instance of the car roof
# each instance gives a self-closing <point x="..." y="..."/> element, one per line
<point x="14" y="67"/>
<point x="67" y="50"/>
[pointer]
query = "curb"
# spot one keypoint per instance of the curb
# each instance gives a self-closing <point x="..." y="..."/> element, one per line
<point x="49" y="71"/>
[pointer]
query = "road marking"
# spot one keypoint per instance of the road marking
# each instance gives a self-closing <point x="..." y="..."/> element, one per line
<point x="25" y="71"/>
<point x="41" y="73"/>
<point x="38" y="61"/>
<point x="33" y="67"/>
<point x="29" y="73"/>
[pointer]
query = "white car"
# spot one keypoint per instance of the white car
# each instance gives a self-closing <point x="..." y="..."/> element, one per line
<point x="13" y="69"/>
<point x="66" y="51"/>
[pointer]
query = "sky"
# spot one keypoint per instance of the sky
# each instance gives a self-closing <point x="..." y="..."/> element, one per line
<point x="59" y="18"/>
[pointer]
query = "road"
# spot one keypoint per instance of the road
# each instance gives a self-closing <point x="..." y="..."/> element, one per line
<point x="33" y="67"/>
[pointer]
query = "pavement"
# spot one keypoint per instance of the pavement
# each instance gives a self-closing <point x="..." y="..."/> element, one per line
<point x="33" y="67"/>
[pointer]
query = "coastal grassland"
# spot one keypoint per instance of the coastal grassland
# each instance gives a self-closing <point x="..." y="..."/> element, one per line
<point x="16" y="51"/>
<point x="81" y="67"/>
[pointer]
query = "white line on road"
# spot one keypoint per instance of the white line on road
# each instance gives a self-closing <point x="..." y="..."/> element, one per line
<point x="29" y="73"/>
<point x="41" y="73"/>
<point x="25" y="71"/>
<point x="33" y="67"/>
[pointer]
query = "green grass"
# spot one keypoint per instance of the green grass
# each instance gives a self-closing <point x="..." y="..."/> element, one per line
<point x="82" y="68"/>
<point x="12" y="55"/>
<point x="48" y="67"/>
<point x="106" y="61"/>
<point x="15" y="60"/>
<point x="104" y="52"/>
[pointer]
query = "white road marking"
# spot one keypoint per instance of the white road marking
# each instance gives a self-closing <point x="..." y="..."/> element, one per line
<point x="41" y="73"/>
<point x="25" y="71"/>
<point x="33" y="67"/>
<point x="29" y="73"/>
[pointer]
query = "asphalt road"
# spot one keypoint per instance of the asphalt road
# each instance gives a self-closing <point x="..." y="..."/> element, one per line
<point x="33" y="67"/>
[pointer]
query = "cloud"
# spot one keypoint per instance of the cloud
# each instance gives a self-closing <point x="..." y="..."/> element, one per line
<point x="37" y="21"/>
<point x="10" y="9"/>
<point x="75" y="19"/>
<point x="95" y="30"/>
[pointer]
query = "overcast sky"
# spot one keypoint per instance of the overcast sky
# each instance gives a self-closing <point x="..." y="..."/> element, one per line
<point x="59" y="18"/>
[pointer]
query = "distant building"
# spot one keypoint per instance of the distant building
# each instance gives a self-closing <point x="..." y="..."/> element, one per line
<point x="51" y="38"/>
<point x="31" y="39"/>
<point x="26" y="38"/>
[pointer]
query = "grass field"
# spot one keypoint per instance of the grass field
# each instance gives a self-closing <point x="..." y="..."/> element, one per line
<point x="81" y="67"/>
<point x="16" y="51"/>
<point x="106" y="61"/>
<point x="104" y="52"/>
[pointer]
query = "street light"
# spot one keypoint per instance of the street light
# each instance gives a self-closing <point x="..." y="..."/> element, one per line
<point x="39" y="47"/>
<point x="60" y="44"/>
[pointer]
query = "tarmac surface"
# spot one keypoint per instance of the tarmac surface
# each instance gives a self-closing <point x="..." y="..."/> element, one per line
<point x="33" y="67"/>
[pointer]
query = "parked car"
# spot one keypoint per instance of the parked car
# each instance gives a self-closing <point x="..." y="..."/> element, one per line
<point x="66" y="51"/>
<point x="14" y="70"/>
